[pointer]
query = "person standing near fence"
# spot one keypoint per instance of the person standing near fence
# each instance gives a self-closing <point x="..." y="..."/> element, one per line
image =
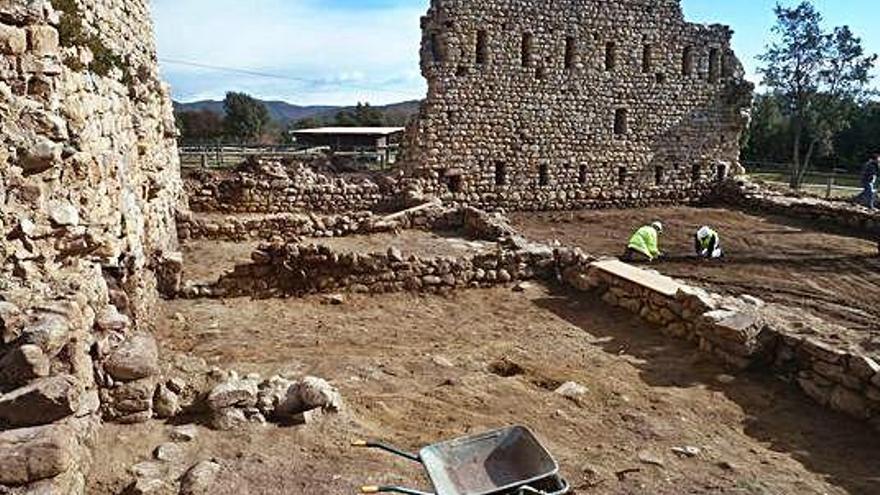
<point x="869" y="182"/>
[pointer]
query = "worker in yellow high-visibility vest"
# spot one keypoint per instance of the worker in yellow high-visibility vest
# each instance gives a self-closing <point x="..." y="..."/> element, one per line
<point x="707" y="244"/>
<point x="644" y="245"/>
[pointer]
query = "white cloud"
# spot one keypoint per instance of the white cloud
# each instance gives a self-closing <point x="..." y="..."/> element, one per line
<point x="343" y="53"/>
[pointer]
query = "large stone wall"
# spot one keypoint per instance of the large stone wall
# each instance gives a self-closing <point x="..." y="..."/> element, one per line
<point x="89" y="186"/>
<point x="570" y="104"/>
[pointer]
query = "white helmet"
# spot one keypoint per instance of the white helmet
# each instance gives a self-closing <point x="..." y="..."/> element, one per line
<point x="658" y="227"/>
<point x="704" y="233"/>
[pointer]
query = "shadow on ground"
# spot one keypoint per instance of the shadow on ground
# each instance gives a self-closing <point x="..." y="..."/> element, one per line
<point x="844" y="451"/>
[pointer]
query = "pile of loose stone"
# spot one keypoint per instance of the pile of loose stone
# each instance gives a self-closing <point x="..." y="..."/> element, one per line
<point x="228" y="402"/>
<point x="170" y="472"/>
<point x="237" y="400"/>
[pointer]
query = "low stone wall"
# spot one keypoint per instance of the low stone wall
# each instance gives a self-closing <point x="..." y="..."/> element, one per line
<point x="290" y="268"/>
<point x="839" y="215"/>
<point x="284" y="225"/>
<point x="282" y="270"/>
<point x="276" y="187"/>
<point x="744" y="332"/>
<point x="427" y="216"/>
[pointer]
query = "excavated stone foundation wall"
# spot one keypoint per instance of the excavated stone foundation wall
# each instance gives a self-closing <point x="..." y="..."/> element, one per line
<point x="743" y="332"/>
<point x="536" y="105"/>
<point x="285" y="269"/>
<point x="89" y="186"/>
<point x="837" y="215"/>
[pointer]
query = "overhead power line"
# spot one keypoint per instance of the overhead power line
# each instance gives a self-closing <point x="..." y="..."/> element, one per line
<point x="250" y="72"/>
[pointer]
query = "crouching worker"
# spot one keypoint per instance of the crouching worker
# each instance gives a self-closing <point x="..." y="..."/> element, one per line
<point x="707" y="244"/>
<point x="644" y="245"/>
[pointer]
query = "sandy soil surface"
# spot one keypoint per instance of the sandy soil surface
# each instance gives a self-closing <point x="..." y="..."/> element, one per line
<point x="834" y="276"/>
<point x="410" y="242"/>
<point x="415" y="370"/>
<point x="206" y="261"/>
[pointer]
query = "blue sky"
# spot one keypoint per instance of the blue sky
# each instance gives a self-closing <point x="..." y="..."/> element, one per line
<point x="344" y="51"/>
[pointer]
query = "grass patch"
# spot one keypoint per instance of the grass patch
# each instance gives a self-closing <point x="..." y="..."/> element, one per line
<point x="72" y="34"/>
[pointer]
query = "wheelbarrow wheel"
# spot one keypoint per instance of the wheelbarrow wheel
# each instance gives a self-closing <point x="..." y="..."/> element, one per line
<point x="564" y="489"/>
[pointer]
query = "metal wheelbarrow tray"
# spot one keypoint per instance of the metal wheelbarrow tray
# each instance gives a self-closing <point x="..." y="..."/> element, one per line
<point x="510" y="461"/>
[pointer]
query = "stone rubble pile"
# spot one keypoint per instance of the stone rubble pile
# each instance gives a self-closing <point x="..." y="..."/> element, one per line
<point x="237" y="401"/>
<point x="170" y="471"/>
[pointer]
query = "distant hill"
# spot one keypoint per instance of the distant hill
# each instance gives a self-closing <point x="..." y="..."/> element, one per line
<point x="285" y="113"/>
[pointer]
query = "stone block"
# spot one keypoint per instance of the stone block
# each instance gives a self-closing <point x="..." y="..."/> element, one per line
<point x="863" y="367"/>
<point x="10" y="320"/>
<point x="199" y="479"/>
<point x="41" y="402"/>
<point x="40" y="157"/>
<point x="737" y="326"/>
<point x="43" y="40"/>
<point x="23" y="364"/>
<point x="13" y="40"/>
<point x="849" y="402"/>
<point x="32" y="454"/>
<point x="50" y="332"/>
<point x="136" y="358"/>
<point x="228" y="419"/>
<point x="235" y="392"/>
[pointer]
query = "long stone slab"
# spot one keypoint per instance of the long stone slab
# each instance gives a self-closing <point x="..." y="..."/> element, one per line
<point x="644" y="278"/>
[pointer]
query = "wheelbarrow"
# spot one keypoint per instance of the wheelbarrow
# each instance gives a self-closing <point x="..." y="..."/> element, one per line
<point x="509" y="461"/>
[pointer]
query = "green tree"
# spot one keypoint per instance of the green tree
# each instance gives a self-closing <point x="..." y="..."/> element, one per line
<point x="246" y="118"/>
<point x="199" y="127"/>
<point x="306" y="123"/>
<point x="769" y="137"/>
<point x="817" y="75"/>
<point x="363" y="115"/>
<point x="862" y="138"/>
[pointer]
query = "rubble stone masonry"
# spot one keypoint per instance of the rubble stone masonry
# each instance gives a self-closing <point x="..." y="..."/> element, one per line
<point x="89" y="186"/>
<point x="564" y="104"/>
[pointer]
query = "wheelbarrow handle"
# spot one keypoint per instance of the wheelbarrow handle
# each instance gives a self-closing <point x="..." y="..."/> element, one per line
<point x="387" y="448"/>
<point x="392" y="489"/>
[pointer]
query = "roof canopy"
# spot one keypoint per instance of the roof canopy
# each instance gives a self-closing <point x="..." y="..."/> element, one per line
<point x="370" y="131"/>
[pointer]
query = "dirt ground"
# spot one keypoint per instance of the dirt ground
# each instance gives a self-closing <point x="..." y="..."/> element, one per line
<point x="415" y="370"/>
<point x="835" y="276"/>
<point x="409" y="242"/>
<point x="206" y="261"/>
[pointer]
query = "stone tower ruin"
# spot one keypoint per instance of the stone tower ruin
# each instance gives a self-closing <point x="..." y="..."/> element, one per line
<point x="89" y="189"/>
<point x="564" y="104"/>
